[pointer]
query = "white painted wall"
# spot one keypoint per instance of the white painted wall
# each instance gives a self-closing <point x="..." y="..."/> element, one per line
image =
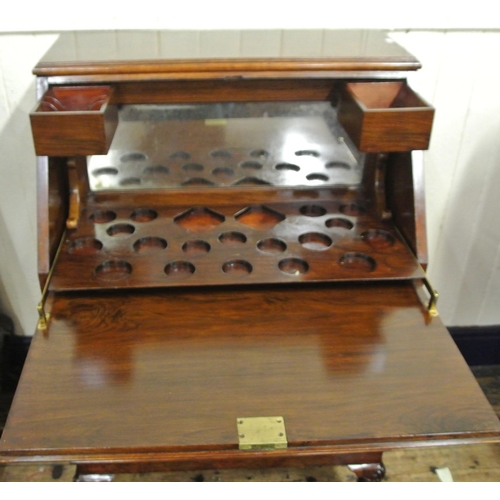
<point x="459" y="77"/>
<point x="58" y="15"/>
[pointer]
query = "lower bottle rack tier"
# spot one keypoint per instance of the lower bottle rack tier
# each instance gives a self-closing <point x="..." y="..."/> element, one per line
<point x="158" y="246"/>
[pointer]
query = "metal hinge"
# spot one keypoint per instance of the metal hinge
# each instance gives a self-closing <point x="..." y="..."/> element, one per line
<point x="261" y="433"/>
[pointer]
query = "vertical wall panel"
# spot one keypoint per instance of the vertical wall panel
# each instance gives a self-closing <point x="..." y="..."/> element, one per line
<point x="19" y="285"/>
<point x="184" y="43"/>
<point x="463" y="257"/>
<point x="261" y="43"/>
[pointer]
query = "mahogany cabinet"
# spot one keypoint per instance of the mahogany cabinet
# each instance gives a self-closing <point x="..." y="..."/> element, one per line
<point x="233" y="256"/>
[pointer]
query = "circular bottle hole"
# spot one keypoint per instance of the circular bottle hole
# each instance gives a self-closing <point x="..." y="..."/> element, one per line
<point x="196" y="247"/>
<point x="133" y="157"/>
<point x="339" y="222"/>
<point x="105" y="171"/>
<point x="315" y="241"/>
<point x="85" y="246"/>
<point x="193" y="167"/>
<point x="352" y="209"/>
<point x="197" y="181"/>
<point x="251" y="181"/>
<point x="312" y="210"/>
<point x="179" y="269"/>
<point x="237" y="268"/>
<point x="287" y="166"/>
<point x="220" y="153"/>
<point x="143" y="215"/>
<point x="307" y="152"/>
<point x="378" y="238"/>
<point x="156" y="170"/>
<point x="130" y="181"/>
<point x="357" y="262"/>
<point x="259" y="153"/>
<point x="102" y="216"/>
<point x="180" y="155"/>
<point x="113" y="270"/>
<point x="317" y="177"/>
<point x="293" y="266"/>
<point x="232" y="238"/>
<point x="251" y="165"/>
<point x="271" y="245"/>
<point x="338" y="164"/>
<point x="150" y="244"/>
<point x="120" y="230"/>
<point x="222" y="172"/>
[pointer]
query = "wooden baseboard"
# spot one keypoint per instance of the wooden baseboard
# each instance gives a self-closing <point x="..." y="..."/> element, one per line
<point x="479" y="345"/>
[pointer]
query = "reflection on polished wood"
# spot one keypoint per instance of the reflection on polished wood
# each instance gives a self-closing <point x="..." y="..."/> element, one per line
<point x="195" y="52"/>
<point x="359" y="368"/>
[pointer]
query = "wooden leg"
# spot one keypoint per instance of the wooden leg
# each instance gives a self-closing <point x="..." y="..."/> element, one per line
<point x="368" y="472"/>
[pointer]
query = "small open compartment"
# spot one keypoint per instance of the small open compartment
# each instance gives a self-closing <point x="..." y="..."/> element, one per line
<point x="385" y="117"/>
<point x="74" y="120"/>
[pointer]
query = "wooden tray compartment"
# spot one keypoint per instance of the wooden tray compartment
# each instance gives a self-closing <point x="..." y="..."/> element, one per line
<point x="385" y="117"/>
<point x="74" y="121"/>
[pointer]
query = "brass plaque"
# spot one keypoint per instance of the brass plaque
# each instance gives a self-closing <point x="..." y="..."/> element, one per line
<point x="261" y="433"/>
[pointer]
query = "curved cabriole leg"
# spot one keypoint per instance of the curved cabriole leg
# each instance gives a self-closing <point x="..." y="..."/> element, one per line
<point x="368" y="472"/>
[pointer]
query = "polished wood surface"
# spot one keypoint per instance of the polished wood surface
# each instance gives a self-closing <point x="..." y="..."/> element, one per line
<point x="52" y="207"/>
<point x="74" y="121"/>
<point x="385" y="116"/>
<point x="347" y="366"/>
<point x="156" y="52"/>
<point x="405" y="197"/>
<point x="338" y="238"/>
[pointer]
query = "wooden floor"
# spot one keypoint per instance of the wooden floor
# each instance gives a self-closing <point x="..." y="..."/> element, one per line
<point x="466" y="463"/>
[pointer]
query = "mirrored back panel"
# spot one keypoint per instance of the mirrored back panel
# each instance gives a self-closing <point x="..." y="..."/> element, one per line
<point x="286" y="144"/>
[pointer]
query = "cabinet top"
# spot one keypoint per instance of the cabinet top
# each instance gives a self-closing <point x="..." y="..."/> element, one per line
<point x="192" y="54"/>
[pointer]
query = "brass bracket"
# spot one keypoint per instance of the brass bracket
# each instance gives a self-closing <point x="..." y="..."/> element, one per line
<point x="43" y="317"/>
<point x="432" y="304"/>
<point x="261" y="433"/>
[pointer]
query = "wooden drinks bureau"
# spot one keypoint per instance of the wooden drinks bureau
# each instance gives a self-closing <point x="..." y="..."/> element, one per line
<point x="233" y="255"/>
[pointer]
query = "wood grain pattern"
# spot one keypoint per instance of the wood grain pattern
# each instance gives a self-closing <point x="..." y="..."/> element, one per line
<point x="167" y="51"/>
<point x="405" y="197"/>
<point x="228" y="67"/>
<point x="385" y="117"/>
<point x="221" y="89"/>
<point x="74" y="121"/>
<point x="52" y="205"/>
<point x="337" y="240"/>
<point x="178" y="368"/>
